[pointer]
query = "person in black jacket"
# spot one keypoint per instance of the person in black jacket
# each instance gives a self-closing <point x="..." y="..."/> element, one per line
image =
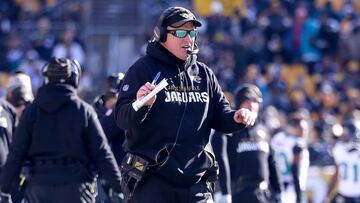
<point x="104" y="105"/>
<point x="18" y="95"/>
<point x="19" y="92"/>
<point x="165" y="139"/>
<point x="105" y="102"/>
<point x="257" y="180"/>
<point x="61" y="136"/>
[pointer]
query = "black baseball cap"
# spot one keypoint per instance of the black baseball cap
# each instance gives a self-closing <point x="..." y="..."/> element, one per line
<point x="247" y="92"/>
<point x="178" y="16"/>
<point x="19" y="96"/>
<point x="58" y="69"/>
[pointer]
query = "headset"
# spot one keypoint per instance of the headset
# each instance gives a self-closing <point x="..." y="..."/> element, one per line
<point x="74" y="79"/>
<point x="160" y="31"/>
<point x="75" y="74"/>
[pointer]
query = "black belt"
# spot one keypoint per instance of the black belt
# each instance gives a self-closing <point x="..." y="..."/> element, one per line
<point x="62" y="161"/>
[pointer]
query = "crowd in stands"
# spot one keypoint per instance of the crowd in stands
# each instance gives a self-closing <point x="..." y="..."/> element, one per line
<point x="29" y="36"/>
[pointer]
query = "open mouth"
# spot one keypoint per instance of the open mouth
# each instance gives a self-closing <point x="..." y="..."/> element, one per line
<point x="187" y="48"/>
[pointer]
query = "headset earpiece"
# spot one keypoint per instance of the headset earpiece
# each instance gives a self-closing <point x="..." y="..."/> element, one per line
<point x="75" y="73"/>
<point x="44" y="69"/>
<point x="163" y="34"/>
<point x="160" y="31"/>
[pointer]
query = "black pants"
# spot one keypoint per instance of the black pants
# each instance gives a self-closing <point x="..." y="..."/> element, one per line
<point x="154" y="189"/>
<point x="69" y="193"/>
<point x="249" y="194"/>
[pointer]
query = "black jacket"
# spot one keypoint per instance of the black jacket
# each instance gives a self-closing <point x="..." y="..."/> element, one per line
<point x="115" y="135"/>
<point x="7" y="128"/>
<point x="250" y="147"/>
<point x="59" y="126"/>
<point x="187" y="108"/>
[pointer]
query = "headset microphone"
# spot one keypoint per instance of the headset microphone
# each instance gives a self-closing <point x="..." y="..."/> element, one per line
<point x="192" y="52"/>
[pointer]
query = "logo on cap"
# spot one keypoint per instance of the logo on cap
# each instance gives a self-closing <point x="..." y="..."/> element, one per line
<point x="184" y="15"/>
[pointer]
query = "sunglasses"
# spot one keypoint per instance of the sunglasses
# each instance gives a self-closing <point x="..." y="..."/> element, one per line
<point x="183" y="33"/>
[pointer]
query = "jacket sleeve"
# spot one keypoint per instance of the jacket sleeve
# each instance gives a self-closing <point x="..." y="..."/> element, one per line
<point x="223" y="119"/>
<point x="111" y="130"/>
<point x="100" y="151"/>
<point x="125" y="115"/>
<point x="17" y="153"/>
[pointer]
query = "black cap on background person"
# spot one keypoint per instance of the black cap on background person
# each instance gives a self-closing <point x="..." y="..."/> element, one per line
<point x="62" y="70"/>
<point x="114" y="81"/>
<point x="57" y="70"/>
<point x="247" y="92"/>
<point x="19" y="90"/>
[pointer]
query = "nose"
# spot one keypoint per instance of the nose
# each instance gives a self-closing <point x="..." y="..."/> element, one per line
<point x="188" y="38"/>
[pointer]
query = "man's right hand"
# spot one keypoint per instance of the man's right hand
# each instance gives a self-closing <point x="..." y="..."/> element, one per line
<point x="143" y="91"/>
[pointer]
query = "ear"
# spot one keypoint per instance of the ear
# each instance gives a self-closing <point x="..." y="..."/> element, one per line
<point x="8" y="95"/>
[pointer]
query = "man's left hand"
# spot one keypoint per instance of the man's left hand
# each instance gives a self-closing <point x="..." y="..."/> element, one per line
<point x="245" y="116"/>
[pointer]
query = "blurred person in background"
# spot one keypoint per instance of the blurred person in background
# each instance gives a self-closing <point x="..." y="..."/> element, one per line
<point x="320" y="160"/>
<point x="346" y="154"/>
<point x="19" y="92"/>
<point x="8" y="121"/>
<point x="253" y="181"/>
<point x="68" y="47"/>
<point x="62" y="138"/>
<point x="31" y="65"/>
<point x="19" y="95"/>
<point x="43" y="40"/>
<point x="105" y="102"/>
<point x="292" y="157"/>
<point x="165" y="139"/>
<point x="251" y="146"/>
<point x="14" y="52"/>
<point x="104" y="105"/>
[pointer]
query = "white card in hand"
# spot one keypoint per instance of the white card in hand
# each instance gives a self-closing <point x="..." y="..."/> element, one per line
<point x="140" y="102"/>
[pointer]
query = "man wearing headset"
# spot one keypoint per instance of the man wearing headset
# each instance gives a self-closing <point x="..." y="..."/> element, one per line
<point x="165" y="139"/>
<point x="61" y="136"/>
